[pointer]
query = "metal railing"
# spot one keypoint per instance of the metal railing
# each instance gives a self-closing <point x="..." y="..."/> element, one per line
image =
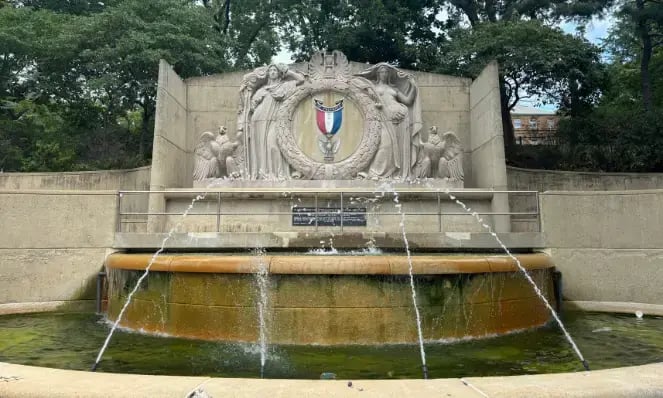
<point x="342" y="205"/>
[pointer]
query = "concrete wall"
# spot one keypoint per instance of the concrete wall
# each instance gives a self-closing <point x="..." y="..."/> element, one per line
<point x="608" y="245"/>
<point x="172" y="153"/>
<point x="487" y="141"/>
<point x="53" y="243"/>
<point x="131" y="179"/>
<point x="549" y="180"/>
<point x="137" y="179"/>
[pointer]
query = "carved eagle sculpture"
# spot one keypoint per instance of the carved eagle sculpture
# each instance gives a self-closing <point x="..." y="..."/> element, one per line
<point x="451" y="162"/>
<point x="207" y="164"/>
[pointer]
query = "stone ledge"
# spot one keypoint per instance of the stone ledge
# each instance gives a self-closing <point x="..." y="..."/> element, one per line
<point x="615" y="307"/>
<point x="345" y="240"/>
<point x="29" y="381"/>
<point x="46" y="306"/>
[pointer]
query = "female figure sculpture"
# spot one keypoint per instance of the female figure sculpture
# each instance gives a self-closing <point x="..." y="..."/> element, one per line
<point x="400" y="141"/>
<point x="263" y="90"/>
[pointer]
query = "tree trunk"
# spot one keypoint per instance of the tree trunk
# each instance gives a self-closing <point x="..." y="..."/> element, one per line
<point x="507" y="126"/>
<point x="144" y="129"/>
<point x="647" y="49"/>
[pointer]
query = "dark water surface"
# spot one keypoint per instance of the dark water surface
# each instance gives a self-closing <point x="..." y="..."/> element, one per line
<point x="72" y="341"/>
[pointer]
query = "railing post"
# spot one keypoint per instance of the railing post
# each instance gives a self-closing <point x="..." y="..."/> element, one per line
<point x="538" y="210"/>
<point x="218" y="212"/>
<point x="342" y="211"/>
<point x="439" y="213"/>
<point x="316" y="212"/>
<point x="118" y="212"/>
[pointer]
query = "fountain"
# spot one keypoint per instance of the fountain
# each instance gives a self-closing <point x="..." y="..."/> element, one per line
<point x="315" y="151"/>
<point x="350" y="222"/>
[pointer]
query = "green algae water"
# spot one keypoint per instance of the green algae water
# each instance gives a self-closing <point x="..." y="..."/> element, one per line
<point x="71" y="341"/>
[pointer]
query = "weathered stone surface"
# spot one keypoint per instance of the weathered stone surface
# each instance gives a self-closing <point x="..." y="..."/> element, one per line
<point x="611" y="220"/>
<point x="636" y="381"/>
<point x="332" y="299"/>
<point x="320" y="239"/>
<point x="42" y="275"/>
<point x="556" y="180"/>
<point x="57" y="219"/>
<point x="487" y="143"/>
<point x="53" y="243"/>
<point x="134" y="179"/>
<point x="29" y="381"/>
<point x="633" y="275"/>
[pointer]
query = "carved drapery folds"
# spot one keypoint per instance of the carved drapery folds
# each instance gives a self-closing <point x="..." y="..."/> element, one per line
<point x="391" y="145"/>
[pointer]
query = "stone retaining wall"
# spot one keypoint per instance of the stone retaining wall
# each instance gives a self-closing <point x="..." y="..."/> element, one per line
<point x="549" y="180"/>
<point x="608" y="245"/>
<point x="130" y="179"/>
<point x="53" y="243"/>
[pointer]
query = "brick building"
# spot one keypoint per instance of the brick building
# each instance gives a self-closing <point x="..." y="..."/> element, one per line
<point x="534" y="126"/>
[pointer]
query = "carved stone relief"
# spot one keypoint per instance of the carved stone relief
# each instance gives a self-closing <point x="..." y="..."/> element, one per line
<point x="441" y="157"/>
<point x="388" y="143"/>
<point x="214" y="156"/>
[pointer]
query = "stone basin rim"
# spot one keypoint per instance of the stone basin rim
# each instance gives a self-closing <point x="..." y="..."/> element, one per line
<point x="32" y="381"/>
<point x="330" y="264"/>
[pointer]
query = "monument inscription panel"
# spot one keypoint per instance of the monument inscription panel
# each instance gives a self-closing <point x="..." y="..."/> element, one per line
<point x="328" y="216"/>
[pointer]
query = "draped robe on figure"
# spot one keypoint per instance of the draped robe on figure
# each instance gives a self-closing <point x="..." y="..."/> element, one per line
<point x="267" y="160"/>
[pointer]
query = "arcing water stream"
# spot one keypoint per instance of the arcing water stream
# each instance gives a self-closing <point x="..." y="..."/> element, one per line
<point x="525" y="273"/>
<point x="142" y="277"/>
<point x="399" y="206"/>
<point x="262" y="280"/>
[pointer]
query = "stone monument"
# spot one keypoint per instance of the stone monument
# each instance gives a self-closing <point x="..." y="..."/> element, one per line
<point x="380" y="138"/>
<point x="326" y="128"/>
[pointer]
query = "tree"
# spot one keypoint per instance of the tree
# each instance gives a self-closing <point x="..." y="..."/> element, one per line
<point x="481" y="13"/>
<point x="406" y="33"/>
<point x="535" y="61"/>
<point x="638" y="34"/>
<point x="94" y="71"/>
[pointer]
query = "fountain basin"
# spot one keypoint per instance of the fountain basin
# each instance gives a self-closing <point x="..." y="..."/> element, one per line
<point x="332" y="299"/>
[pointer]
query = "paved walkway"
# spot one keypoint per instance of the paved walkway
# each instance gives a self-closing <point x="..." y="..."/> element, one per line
<point x="32" y="382"/>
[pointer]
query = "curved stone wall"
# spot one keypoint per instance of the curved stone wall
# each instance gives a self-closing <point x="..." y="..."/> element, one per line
<point x="130" y="179"/>
<point x="330" y="299"/>
<point x="557" y="180"/>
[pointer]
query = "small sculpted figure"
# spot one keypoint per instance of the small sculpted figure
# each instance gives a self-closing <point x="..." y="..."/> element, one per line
<point x="214" y="156"/>
<point x="206" y="164"/>
<point x="227" y="164"/>
<point x="429" y="156"/>
<point x="451" y="162"/>
<point x="441" y="157"/>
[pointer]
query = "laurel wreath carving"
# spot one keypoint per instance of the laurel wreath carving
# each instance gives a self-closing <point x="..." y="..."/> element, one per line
<point x="348" y="168"/>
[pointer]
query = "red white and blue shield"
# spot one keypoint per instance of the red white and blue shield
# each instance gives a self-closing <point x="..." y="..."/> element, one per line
<point x="329" y="118"/>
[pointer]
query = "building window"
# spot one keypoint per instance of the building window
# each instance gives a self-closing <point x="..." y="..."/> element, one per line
<point x="532" y="124"/>
<point x="517" y="124"/>
<point x="551" y="124"/>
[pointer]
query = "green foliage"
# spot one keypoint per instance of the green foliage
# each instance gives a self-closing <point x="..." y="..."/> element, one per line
<point x="78" y="78"/>
<point x="403" y="32"/>
<point x="33" y="141"/>
<point x="613" y="138"/>
<point x="624" y="132"/>
<point x="535" y="60"/>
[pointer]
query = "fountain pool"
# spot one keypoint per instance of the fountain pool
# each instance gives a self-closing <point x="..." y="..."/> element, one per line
<point x="69" y="341"/>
